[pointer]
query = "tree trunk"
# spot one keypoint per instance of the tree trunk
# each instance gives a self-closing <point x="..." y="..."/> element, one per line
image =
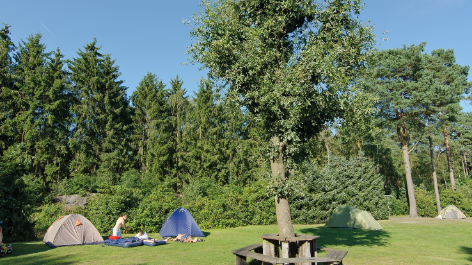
<point x="284" y="219"/>
<point x="449" y="161"/>
<point x="409" y="182"/>
<point x="464" y="164"/>
<point x="435" y="177"/>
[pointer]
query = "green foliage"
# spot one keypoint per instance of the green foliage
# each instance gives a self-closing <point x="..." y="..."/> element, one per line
<point x="426" y="203"/>
<point x="103" y="209"/>
<point x="289" y="63"/>
<point x="45" y="216"/>
<point x="398" y="203"/>
<point x="232" y="206"/>
<point x="101" y="114"/>
<point x="16" y="203"/>
<point x="153" y="210"/>
<point x="460" y="199"/>
<point x="351" y="182"/>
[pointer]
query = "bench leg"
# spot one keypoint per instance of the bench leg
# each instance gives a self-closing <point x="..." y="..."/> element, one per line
<point x="240" y="260"/>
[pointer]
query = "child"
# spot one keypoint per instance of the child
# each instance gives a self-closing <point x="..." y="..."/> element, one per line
<point x="142" y="235"/>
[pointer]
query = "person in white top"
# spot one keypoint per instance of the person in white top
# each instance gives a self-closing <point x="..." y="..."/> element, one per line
<point x="141" y="235"/>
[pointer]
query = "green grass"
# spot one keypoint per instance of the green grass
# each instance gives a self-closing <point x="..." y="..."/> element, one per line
<point x="402" y="241"/>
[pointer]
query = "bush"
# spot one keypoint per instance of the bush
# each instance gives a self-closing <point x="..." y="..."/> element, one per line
<point x="399" y="202"/>
<point x="425" y="203"/>
<point x="153" y="210"/>
<point x="351" y="182"/>
<point x="47" y="214"/>
<point x="16" y="201"/>
<point x="103" y="209"/>
<point x="458" y="199"/>
<point x="230" y="206"/>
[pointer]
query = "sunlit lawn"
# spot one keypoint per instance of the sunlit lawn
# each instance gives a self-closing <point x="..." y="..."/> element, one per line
<point x="402" y="241"/>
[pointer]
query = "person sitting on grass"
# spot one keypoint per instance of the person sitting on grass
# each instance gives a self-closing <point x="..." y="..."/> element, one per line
<point x="185" y="238"/>
<point x="141" y="235"/>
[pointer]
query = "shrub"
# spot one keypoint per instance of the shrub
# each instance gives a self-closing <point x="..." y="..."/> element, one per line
<point x="103" y="209"/>
<point x="153" y="210"/>
<point x="425" y="203"/>
<point x="458" y="199"/>
<point x="351" y="182"/>
<point x="399" y="203"/>
<point x="47" y="214"/>
<point x="230" y="206"/>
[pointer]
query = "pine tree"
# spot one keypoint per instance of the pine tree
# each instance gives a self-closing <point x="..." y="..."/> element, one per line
<point x="101" y="116"/>
<point x="150" y="140"/>
<point x="178" y="103"/>
<point x="447" y="83"/>
<point x="56" y="119"/>
<point x="32" y="86"/>
<point x="8" y="108"/>
<point x="396" y="79"/>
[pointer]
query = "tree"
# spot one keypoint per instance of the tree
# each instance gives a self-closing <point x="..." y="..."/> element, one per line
<point x="7" y="103"/>
<point x="447" y="83"/>
<point x="395" y="77"/>
<point x="151" y="129"/>
<point x="288" y="63"/>
<point x="178" y="103"/>
<point x="101" y="114"/>
<point x="43" y="118"/>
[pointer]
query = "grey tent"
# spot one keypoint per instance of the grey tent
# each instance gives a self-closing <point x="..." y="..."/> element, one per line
<point x="70" y="230"/>
<point x="451" y="212"/>
<point x="350" y="217"/>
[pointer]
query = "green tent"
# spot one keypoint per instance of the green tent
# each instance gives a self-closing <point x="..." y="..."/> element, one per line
<point x="350" y="217"/>
<point x="451" y="212"/>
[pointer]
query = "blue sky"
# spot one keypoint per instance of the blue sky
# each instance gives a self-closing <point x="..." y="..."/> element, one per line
<point x="149" y="35"/>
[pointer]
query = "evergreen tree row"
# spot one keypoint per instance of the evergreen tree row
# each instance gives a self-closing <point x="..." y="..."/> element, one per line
<point x="75" y="122"/>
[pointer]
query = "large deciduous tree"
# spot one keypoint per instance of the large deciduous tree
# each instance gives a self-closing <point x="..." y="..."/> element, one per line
<point x="288" y="63"/>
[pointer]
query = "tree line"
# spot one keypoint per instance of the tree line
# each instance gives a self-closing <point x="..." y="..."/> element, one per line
<point x="72" y="118"/>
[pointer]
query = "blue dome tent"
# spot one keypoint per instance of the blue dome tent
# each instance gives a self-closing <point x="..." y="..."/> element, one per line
<point x="180" y="222"/>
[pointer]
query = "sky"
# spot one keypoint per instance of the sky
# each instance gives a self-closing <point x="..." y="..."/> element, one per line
<point x="150" y="35"/>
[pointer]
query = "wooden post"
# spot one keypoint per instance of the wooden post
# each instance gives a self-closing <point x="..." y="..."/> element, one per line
<point x="270" y="248"/>
<point x="285" y="250"/>
<point x="240" y="260"/>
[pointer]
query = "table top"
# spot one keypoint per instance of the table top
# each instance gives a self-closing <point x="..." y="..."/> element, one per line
<point x="298" y="237"/>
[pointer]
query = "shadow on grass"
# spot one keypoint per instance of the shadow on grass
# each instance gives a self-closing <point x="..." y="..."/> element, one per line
<point x="25" y="253"/>
<point x="334" y="237"/>
<point x="347" y="237"/>
<point x="467" y="250"/>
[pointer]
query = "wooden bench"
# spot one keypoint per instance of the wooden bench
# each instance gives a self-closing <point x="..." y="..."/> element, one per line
<point x="337" y="255"/>
<point x="254" y="252"/>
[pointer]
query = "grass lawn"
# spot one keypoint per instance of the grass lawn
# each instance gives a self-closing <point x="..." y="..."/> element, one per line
<point x="403" y="240"/>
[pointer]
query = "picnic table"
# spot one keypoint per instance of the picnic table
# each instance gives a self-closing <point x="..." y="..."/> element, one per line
<point x="300" y="249"/>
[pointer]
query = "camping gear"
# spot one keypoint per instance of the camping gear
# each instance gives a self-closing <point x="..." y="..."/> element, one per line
<point x="351" y="217"/>
<point x="124" y="242"/>
<point x="4" y="249"/>
<point x="180" y="222"/>
<point x="451" y="212"/>
<point x="70" y="230"/>
<point x="151" y="242"/>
